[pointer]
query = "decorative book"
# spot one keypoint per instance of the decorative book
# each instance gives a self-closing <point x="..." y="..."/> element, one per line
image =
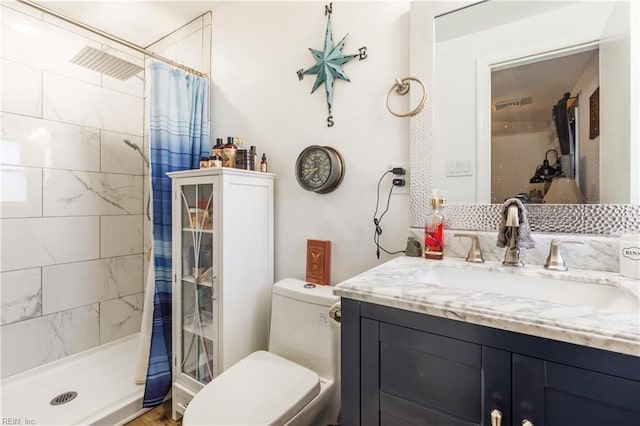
<point x="318" y="261"/>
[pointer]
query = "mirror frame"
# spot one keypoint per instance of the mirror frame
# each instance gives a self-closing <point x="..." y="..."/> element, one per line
<point x="604" y="219"/>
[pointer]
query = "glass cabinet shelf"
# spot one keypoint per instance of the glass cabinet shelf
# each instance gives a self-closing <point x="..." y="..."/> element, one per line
<point x="206" y="231"/>
<point x="205" y="329"/>
<point x="202" y="283"/>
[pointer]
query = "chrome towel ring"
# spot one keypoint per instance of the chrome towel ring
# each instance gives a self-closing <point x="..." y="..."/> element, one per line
<point x="401" y="87"/>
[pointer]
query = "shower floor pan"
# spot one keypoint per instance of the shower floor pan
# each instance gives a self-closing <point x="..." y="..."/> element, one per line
<point x="103" y="378"/>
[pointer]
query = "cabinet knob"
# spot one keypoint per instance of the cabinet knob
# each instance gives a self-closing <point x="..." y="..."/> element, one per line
<point x="526" y="422"/>
<point x="496" y="417"/>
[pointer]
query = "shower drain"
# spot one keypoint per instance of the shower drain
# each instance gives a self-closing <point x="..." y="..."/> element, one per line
<point x="63" y="398"/>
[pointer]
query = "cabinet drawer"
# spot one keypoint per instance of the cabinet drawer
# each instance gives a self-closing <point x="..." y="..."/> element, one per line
<point x="444" y="373"/>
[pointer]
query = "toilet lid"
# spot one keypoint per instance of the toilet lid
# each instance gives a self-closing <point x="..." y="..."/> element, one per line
<point x="261" y="389"/>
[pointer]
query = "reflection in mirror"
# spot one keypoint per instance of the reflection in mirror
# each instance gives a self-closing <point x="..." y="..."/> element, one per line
<point x="493" y="37"/>
<point x="540" y="130"/>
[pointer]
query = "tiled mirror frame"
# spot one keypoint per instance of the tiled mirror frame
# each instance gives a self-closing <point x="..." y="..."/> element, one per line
<point x="602" y="219"/>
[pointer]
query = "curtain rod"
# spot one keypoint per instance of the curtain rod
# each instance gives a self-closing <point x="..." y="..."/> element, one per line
<point x="112" y="37"/>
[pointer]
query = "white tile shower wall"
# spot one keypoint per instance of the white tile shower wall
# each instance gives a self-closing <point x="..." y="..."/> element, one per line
<point x="72" y="285"/>
<point x="43" y="339"/>
<point x="21" y="295"/>
<point x="76" y="193"/>
<point x="24" y="98"/>
<point x="21" y="191"/>
<point x="120" y="317"/>
<point x="32" y="142"/>
<point x="72" y="199"/>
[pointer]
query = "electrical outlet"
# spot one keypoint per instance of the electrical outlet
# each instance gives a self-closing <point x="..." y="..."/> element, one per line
<point x="401" y="189"/>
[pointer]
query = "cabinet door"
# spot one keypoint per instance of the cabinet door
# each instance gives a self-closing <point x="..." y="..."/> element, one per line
<point x="197" y="287"/>
<point x="416" y="378"/>
<point x="550" y="394"/>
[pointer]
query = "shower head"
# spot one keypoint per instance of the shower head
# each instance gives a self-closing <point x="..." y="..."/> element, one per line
<point x="105" y="63"/>
<point x="137" y="148"/>
<point x="131" y="144"/>
<point x="146" y="161"/>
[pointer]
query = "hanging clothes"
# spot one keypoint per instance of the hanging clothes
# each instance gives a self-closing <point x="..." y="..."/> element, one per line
<point x="179" y="136"/>
<point x="561" y="119"/>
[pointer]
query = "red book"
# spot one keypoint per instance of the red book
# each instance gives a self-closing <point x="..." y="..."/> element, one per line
<point x="319" y="261"/>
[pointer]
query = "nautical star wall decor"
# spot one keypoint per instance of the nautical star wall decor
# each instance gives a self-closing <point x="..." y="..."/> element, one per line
<point x="329" y="62"/>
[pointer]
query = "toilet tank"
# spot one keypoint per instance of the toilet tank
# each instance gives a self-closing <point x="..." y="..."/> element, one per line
<point x="300" y="329"/>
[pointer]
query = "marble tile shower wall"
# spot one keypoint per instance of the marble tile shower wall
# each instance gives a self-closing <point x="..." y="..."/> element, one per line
<point x="72" y="200"/>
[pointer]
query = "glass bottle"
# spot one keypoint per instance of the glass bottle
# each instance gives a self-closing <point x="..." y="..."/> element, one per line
<point x="218" y="148"/>
<point x="434" y="231"/>
<point x="229" y="153"/>
<point x="263" y="163"/>
<point x="253" y="158"/>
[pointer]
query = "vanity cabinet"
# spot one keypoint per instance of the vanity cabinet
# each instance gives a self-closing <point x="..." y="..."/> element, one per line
<point x="416" y="369"/>
<point x="222" y="249"/>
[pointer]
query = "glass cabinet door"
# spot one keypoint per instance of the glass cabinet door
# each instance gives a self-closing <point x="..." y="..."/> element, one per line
<point x="198" y="283"/>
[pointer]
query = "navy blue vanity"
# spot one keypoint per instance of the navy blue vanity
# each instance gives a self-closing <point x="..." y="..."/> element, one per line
<point x="413" y="355"/>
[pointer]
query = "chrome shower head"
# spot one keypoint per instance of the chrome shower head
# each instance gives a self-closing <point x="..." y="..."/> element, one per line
<point x="137" y="148"/>
<point x="105" y="63"/>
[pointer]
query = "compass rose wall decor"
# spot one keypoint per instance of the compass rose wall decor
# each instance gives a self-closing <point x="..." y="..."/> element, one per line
<point x="329" y="62"/>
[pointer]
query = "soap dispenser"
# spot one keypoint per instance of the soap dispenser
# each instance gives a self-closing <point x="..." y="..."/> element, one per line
<point x="434" y="230"/>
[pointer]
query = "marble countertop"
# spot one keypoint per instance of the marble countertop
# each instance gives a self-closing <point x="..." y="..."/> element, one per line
<point x="394" y="284"/>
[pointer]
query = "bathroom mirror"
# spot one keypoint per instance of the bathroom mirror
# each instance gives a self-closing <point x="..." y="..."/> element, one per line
<point x="455" y="49"/>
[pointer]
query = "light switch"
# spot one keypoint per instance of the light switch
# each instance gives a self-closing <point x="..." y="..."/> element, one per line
<point x="455" y="168"/>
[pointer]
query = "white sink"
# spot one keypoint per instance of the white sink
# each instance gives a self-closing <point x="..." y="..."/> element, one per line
<point x="552" y="287"/>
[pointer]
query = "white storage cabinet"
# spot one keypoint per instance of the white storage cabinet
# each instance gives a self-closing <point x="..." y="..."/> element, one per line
<point x="222" y="272"/>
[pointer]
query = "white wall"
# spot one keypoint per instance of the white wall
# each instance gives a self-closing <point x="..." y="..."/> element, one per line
<point x="588" y="149"/>
<point x="510" y="177"/>
<point x="616" y="161"/>
<point x="257" y="48"/>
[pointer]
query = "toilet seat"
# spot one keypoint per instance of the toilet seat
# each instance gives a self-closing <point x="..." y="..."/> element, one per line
<point x="261" y="389"/>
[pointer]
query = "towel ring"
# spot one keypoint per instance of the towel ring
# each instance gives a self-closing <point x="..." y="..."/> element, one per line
<point x="402" y="88"/>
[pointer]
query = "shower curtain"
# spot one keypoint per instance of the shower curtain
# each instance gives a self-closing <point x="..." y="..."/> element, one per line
<point x="179" y="136"/>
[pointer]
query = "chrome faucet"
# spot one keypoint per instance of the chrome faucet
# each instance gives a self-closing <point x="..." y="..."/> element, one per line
<point x="512" y="228"/>
<point x="475" y="254"/>
<point x="555" y="261"/>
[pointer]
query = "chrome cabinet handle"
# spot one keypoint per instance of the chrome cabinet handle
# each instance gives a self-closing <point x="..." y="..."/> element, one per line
<point x="526" y="422"/>
<point x="496" y="417"/>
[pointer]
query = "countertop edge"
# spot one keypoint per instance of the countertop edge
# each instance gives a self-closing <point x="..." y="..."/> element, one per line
<point x="540" y="326"/>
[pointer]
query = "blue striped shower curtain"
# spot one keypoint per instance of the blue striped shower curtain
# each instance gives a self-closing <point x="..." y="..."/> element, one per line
<point x="179" y="136"/>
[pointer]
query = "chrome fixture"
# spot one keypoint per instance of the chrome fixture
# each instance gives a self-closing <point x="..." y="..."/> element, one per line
<point x="475" y="254"/>
<point x="106" y="63"/>
<point x="555" y="261"/>
<point x="111" y="37"/>
<point x="496" y="417"/>
<point x="146" y="161"/>
<point x="512" y="228"/>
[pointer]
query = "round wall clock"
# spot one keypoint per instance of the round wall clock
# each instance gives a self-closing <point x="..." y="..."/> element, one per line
<point x="319" y="169"/>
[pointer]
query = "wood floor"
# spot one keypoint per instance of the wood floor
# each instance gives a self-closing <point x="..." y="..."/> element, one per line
<point x="160" y="415"/>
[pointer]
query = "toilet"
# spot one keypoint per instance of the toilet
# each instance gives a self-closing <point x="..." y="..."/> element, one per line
<point x="295" y="382"/>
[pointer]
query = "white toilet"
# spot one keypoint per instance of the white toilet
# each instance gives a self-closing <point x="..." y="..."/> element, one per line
<point x="297" y="382"/>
